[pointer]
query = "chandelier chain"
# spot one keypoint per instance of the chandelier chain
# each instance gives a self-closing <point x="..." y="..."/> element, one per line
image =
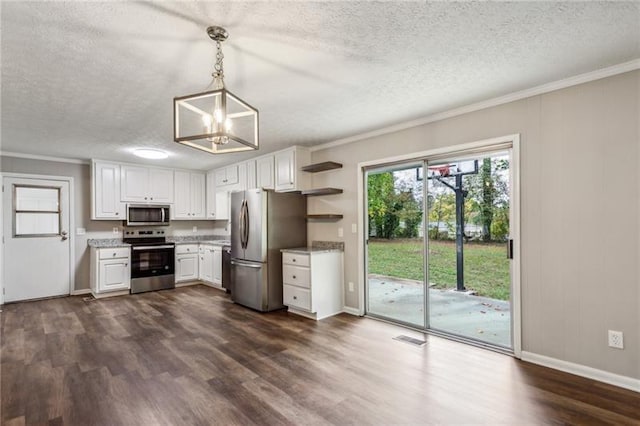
<point x="218" y="67"/>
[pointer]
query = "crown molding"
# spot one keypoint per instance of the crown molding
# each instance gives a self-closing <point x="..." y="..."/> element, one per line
<point x="43" y="157"/>
<point x="516" y="96"/>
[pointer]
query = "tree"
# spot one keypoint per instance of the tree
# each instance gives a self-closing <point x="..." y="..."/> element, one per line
<point x="381" y="204"/>
<point x="487" y="195"/>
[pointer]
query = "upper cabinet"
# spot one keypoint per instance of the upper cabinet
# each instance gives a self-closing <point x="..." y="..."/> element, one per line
<point x="264" y="172"/>
<point x="189" y="196"/>
<point x="288" y="176"/>
<point x="226" y="176"/>
<point x="251" y="174"/>
<point x="146" y="184"/>
<point x="106" y="203"/>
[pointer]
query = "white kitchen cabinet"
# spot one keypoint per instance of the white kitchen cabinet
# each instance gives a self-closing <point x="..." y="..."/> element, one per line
<point x="206" y="263"/>
<point x="189" y="196"/>
<point x="210" y="195"/>
<point x="217" y="266"/>
<point x="312" y="282"/>
<point x="110" y="271"/>
<point x="222" y="204"/>
<point x="227" y="176"/>
<point x="146" y="184"/>
<point x="288" y="176"/>
<point x="187" y="262"/>
<point x="106" y="203"/>
<point x="251" y="174"/>
<point x="210" y="257"/>
<point x="264" y="172"/>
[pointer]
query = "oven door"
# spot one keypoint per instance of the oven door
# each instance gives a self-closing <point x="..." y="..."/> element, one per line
<point x="152" y="261"/>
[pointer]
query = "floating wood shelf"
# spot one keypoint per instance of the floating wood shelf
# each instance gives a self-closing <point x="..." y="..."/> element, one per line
<point x="321" y="191"/>
<point x="324" y="217"/>
<point x="321" y="167"/>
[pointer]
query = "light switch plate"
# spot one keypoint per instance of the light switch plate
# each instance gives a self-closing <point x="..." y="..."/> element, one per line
<point x="354" y="228"/>
<point x="195" y="229"/>
<point x="340" y="232"/>
<point x="116" y="230"/>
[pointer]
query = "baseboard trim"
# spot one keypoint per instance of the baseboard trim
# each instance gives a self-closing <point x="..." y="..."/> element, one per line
<point x="81" y="291"/>
<point x="583" y="371"/>
<point x="351" y="311"/>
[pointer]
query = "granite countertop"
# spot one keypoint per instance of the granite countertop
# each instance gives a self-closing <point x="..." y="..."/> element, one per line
<point x="200" y="239"/>
<point x="107" y="243"/>
<point x="310" y="250"/>
<point x="317" y="247"/>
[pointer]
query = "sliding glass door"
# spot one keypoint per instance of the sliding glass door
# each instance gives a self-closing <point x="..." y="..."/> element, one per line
<point x="438" y="245"/>
<point x="395" y="244"/>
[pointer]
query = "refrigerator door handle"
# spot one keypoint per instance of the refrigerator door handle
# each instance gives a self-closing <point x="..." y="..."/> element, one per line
<point x="246" y="224"/>
<point x="241" y="224"/>
<point x="247" y="265"/>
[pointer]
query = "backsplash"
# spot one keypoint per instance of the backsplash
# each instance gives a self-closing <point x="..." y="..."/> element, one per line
<point x="332" y="245"/>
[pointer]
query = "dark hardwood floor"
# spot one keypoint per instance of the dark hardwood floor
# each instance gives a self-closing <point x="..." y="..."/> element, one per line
<point x="191" y="357"/>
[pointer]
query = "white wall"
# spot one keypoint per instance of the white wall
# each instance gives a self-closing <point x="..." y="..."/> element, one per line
<point x="94" y="228"/>
<point x="580" y="205"/>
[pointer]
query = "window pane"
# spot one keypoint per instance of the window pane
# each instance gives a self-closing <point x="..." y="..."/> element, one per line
<point x="37" y="223"/>
<point x="37" y="199"/>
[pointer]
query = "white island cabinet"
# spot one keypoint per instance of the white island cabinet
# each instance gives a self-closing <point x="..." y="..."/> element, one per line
<point x="110" y="271"/>
<point x="312" y="281"/>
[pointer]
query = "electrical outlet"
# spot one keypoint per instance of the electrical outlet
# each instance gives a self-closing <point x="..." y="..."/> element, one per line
<point x="350" y="286"/>
<point x="81" y="231"/>
<point x="340" y="232"/>
<point x="354" y="228"/>
<point x="116" y="230"/>
<point x="616" y="339"/>
<point x="195" y="229"/>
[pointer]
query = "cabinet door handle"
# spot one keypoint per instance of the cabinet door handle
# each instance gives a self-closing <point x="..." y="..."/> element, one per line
<point x="145" y="198"/>
<point x="294" y="277"/>
<point x="126" y="264"/>
<point x="295" y="297"/>
<point x="114" y="255"/>
<point x="293" y="260"/>
<point x="117" y="213"/>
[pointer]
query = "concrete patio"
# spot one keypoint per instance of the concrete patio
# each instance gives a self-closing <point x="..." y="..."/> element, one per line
<point x="476" y="317"/>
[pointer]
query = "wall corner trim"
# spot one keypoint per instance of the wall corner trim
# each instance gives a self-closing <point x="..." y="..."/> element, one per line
<point x="351" y="311"/>
<point x="510" y="97"/>
<point x="583" y="371"/>
<point x="44" y="157"/>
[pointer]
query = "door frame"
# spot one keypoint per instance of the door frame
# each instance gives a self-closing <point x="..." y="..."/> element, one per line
<point x="465" y="148"/>
<point x="72" y="222"/>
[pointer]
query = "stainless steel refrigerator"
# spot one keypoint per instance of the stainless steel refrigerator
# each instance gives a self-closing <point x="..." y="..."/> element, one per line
<point x="262" y="223"/>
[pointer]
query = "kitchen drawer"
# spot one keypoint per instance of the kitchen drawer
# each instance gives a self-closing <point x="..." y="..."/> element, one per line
<point x="114" y="253"/>
<point x="296" y="275"/>
<point x="186" y="248"/>
<point x="295" y="259"/>
<point x="296" y="297"/>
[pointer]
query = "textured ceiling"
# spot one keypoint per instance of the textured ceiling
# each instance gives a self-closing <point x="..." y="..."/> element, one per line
<point x="95" y="80"/>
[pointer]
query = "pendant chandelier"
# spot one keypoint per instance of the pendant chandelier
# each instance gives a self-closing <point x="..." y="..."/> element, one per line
<point x="215" y="121"/>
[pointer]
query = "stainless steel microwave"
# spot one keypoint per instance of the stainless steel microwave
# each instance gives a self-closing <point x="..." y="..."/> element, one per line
<point x="147" y="214"/>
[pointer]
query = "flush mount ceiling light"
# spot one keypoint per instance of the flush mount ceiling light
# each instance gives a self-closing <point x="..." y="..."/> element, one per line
<point x="152" y="154"/>
<point x="216" y="121"/>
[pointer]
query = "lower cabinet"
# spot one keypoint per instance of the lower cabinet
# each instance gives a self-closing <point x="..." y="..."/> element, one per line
<point x="312" y="282"/>
<point x="211" y="264"/>
<point x="186" y="262"/>
<point x="110" y="271"/>
<point x="199" y="262"/>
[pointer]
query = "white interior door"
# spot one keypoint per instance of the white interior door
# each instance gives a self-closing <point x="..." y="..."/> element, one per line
<point x="37" y="245"/>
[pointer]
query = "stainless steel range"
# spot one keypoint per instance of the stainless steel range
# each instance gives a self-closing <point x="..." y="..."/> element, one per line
<point x="152" y="260"/>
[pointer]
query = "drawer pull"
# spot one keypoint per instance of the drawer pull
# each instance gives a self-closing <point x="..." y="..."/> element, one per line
<point x="293" y="260"/>
<point x="294" y="277"/>
<point x="295" y="297"/>
<point x="114" y="255"/>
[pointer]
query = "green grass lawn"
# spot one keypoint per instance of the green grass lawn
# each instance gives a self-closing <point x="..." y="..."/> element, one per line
<point x="486" y="267"/>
